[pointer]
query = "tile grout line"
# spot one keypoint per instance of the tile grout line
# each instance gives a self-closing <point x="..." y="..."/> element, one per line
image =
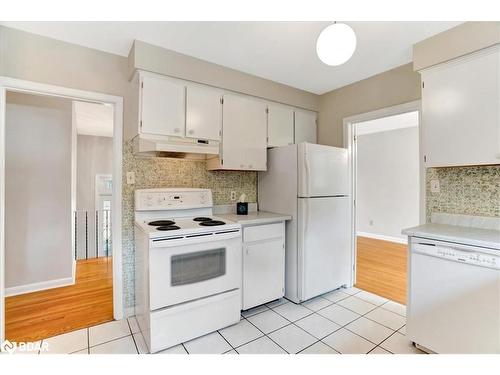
<point x="270" y="338"/>
<point x="133" y="338"/>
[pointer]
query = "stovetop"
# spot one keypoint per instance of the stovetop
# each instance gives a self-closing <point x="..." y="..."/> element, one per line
<point x="185" y="225"/>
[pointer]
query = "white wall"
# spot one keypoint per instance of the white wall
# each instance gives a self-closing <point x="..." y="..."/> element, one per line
<point x="94" y="156"/>
<point x="387" y="182"/>
<point x="37" y="190"/>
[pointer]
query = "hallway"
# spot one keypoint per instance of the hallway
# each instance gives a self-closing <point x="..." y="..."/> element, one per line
<point x="51" y="312"/>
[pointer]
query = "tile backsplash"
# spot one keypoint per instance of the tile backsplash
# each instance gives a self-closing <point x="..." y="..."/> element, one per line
<point x="465" y="190"/>
<point x="170" y="172"/>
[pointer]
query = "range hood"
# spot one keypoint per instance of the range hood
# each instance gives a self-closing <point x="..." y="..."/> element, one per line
<point x="175" y="147"/>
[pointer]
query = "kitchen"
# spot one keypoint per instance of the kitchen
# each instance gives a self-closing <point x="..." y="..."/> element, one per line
<point x="237" y="201"/>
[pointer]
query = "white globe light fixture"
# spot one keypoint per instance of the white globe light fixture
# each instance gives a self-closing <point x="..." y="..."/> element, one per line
<point x="336" y="44"/>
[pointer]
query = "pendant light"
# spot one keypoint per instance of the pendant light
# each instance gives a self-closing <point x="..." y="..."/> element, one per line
<point x="336" y="44"/>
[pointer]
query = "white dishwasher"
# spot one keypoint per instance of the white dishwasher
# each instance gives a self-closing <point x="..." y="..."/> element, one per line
<point x="453" y="297"/>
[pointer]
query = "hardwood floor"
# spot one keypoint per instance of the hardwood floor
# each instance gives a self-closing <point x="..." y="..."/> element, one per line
<point x="33" y="316"/>
<point x="381" y="268"/>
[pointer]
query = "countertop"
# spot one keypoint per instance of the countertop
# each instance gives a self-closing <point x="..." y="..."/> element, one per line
<point x="488" y="238"/>
<point x="256" y="217"/>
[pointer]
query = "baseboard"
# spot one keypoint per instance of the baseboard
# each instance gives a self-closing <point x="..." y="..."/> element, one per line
<point x="36" y="287"/>
<point x="382" y="237"/>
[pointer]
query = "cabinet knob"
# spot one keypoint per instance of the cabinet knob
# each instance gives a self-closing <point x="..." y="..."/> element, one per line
<point x="191" y="131"/>
<point x="250" y="166"/>
<point x="177" y="130"/>
<point x="242" y="166"/>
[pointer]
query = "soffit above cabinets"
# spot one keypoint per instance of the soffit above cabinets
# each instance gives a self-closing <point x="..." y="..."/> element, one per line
<point x="283" y="52"/>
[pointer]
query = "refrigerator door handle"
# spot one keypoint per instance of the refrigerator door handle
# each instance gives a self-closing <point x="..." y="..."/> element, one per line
<point x="305" y="182"/>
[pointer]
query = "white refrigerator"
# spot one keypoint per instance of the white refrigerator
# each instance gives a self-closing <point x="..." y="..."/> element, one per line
<point x="310" y="183"/>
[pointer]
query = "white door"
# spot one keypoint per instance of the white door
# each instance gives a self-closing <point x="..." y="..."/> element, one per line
<point x="162" y="106"/>
<point x="279" y="125"/>
<point x="324" y="245"/>
<point x="203" y="113"/>
<point x="461" y="111"/>
<point x="244" y="134"/>
<point x="322" y="171"/>
<point x="263" y="272"/>
<point x="305" y="127"/>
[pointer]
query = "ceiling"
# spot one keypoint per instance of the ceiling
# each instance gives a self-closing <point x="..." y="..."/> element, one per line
<point x="94" y="119"/>
<point x="284" y="52"/>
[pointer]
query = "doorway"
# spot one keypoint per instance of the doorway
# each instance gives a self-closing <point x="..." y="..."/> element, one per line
<point x="388" y="195"/>
<point x="107" y="272"/>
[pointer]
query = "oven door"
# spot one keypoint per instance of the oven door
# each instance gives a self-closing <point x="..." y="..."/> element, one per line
<point x="194" y="268"/>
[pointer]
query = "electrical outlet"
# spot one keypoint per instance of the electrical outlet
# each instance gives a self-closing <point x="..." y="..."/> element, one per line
<point x="233" y="195"/>
<point x="435" y="186"/>
<point x="130" y="178"/>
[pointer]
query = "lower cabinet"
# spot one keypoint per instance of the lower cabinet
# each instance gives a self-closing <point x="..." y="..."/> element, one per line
<point x="263" y="264"/>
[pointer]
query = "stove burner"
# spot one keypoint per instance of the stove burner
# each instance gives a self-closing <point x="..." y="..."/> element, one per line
<point x="161" y="223"/>
<point x="168" y="227"/>
<point x="212" y="223"/>
<point x="202" y="219"/>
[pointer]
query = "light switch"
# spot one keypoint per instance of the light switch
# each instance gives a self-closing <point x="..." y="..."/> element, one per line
<point x="435" y="186"/>
<point x="233" y="195"/>
<point x="130" y="178"/>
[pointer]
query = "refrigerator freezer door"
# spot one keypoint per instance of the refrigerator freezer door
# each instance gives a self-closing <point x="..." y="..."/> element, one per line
<point x="322" y="171"/>
<point x="323" y="245"/>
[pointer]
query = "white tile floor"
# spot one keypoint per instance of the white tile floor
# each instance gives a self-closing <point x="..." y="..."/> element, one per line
<point x="342" y="321"/>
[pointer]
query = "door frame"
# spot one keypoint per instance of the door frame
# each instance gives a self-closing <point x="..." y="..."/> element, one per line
<point x="349" y="143"/>
<point x="18" y="85"/>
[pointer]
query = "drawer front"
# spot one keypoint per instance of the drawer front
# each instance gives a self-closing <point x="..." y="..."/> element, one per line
<point x="263" y="232"/>
<point x="187" y="321"/>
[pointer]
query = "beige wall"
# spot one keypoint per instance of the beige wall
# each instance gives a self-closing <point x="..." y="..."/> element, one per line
<point x="38" y="242"/>
<point x="396" y="86"/>
<point x="151" y="58"/>
<point x="458" y="41"/>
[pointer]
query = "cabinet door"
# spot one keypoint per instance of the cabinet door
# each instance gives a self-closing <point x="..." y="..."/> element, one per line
<point x="461" y="111"/>
<point x="244" y="133"/>
<point x="203" y="113"/>
<point x="162" y="106"/>
<point x="279" y="126"/>
<point x="263" y="272"/>
<point x="305" y="127"/>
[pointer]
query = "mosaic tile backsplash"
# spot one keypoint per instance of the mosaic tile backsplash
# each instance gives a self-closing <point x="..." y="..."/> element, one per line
<point x="167" y="173"/>
<point x="465" y="190"/>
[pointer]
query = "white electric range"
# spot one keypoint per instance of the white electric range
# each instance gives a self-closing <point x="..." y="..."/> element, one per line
<point x="188" y="266"/>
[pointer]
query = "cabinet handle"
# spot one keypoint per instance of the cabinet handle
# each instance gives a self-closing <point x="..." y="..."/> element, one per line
<point x="191" y="131"/>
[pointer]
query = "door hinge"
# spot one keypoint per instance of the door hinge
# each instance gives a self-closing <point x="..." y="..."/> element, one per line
<point x="355" y="138"/>
<point x="221" y="100"/>
<point x="267" y="110"/>
<point x="142" y="85"/>
<point x="140" y="123"/>
<point x="423" y="84"/>
<point x="221" y="161"/>
<point x="425" y="158"/>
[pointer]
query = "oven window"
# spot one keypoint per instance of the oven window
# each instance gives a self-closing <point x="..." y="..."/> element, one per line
<point x="199" y="266"/>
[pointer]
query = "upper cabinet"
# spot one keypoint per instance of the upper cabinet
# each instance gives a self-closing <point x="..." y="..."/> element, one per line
<point x="461" y="111"/>
<point x="244" y="133"/>
<point x="305" y="126"/>
<point x="195" y="120"/>
<point x="279" y="125"/>
<point x="203" y="113"/>
<point x="162" y="106"/>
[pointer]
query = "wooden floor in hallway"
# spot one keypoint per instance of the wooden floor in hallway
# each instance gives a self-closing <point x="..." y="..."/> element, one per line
<point x="37" y="315"/>
<point x="381" y="268"/>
